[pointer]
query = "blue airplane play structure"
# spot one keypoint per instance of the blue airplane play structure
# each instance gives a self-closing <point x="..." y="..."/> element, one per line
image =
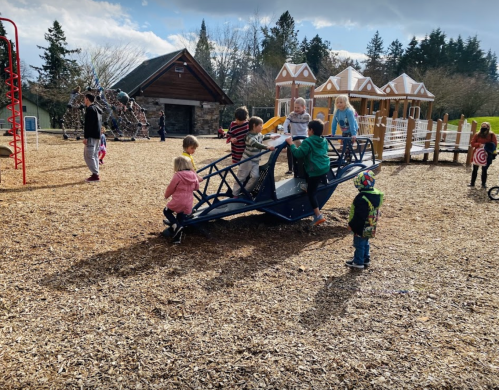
<point x="283" y="199"/>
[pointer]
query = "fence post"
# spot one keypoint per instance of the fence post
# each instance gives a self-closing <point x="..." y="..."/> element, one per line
<point x="458" y="138"/>
<point x="429" y="130"/>
<point x="436" y="152"/>
<point x="446" y="119"/>
<point x="376" y="136"/>
<point x="381" y="144"/>
<point x="470" y="148"/>
<point x="411" y="124"/>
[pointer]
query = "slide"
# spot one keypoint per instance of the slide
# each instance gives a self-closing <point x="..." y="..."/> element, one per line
<point x="271" y="125"/>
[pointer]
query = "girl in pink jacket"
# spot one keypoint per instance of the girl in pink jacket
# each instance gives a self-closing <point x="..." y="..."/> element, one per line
<point x="183" y="183"/>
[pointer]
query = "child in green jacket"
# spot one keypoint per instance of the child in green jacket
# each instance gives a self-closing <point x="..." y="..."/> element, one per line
<point x="314" y="152"/>
<point x="364" y="218"/>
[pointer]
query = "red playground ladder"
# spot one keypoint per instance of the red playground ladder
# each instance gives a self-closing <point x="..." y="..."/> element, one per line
<point x="16" y="104"/>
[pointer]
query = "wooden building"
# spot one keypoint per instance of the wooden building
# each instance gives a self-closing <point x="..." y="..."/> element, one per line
<point x="177" y="84"/>
<point x="30" y="108"/>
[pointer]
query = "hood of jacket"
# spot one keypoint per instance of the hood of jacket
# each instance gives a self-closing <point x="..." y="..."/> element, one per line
<point x="187" y="177"/>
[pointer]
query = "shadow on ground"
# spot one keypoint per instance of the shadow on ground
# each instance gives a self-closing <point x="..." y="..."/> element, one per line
<point x="210" y="246"/>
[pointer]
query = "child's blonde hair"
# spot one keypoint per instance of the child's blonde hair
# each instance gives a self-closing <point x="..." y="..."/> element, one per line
<point x="189" y="141"/>
<point x="343" y="98"/>
<point x="300" y="101"/>
<point x="182" y="163"/>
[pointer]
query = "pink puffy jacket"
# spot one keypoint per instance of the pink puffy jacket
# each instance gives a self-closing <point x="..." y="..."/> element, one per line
<point x="180" y="189"/>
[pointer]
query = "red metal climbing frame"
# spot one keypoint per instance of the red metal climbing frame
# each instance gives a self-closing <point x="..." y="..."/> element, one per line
<point x="14" y="82"/>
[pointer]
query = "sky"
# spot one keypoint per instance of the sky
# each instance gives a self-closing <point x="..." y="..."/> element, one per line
<point x="160" y="26"/>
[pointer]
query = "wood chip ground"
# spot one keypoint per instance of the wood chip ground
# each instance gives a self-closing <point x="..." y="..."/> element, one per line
<point x="91" y="297"/>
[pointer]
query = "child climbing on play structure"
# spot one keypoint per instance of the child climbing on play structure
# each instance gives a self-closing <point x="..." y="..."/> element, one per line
<point x="190" y="144"/>
<point x="345" y="116"/>
<point x="237" y="133"/>
<point x="296" y="124"/>
<point x="251" y="168"/>
<point x="313" y="151"/>
<point x="363" y="218"/>
<point x="181" y="188"/>
<point x="102" y="146"/>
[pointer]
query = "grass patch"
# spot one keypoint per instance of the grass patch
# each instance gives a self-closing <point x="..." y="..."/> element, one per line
<point x="493" y="120"/>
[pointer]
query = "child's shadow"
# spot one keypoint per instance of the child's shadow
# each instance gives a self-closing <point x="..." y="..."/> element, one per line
<point x="332" y="300"/>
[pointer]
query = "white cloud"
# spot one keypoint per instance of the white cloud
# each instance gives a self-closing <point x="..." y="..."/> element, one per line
<point x="144" y="2"/>
<point x="85" y="23"/>
<point x="348" y="54"/>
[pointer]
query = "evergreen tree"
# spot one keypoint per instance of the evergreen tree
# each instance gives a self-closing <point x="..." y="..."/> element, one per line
<point x="471" y="58"/>
<point x="394" y="55"/>
<point x="280" y="43"/>
<point x="4" y="63"/>
<point x="375" y="67"/>
<point x="203" y="50"/>
<point x="411" y="56"/>
<point x="58" y="74"/>
<point x="315" y="52"/>
<point x="492" y="65"/>
<point x="433" y="51"/>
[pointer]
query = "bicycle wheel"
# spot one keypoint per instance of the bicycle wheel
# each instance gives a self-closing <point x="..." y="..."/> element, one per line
<point x="494" y="193"/>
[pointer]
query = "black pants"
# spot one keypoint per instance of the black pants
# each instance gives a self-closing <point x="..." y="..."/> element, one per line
<point x="474" y="174"/>
<point x="174" y="220"/>
<point x="161" y="133"/>
<point x="290" y="159"/>
<point x="313" y="184"/>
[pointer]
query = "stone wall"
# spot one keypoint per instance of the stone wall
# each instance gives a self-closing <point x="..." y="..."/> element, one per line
<point x="206" y="116"/>
<point x="206" y="119"/>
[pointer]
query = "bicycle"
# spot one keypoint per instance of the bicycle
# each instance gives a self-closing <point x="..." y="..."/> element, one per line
<point x="494" y="193"/>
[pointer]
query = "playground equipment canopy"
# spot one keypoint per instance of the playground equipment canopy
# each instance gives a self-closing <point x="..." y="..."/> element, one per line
<point x="352" y="83"/>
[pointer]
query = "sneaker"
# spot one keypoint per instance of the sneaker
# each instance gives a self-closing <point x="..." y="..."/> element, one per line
<point x="318" y="219"/>
<point x="351" y="264"/>
<point x="177" y="238"/>
<point x="304" y="187"/>
<point x="484" y="185"/>
<point x="177" y="234"/>
<point x="167" y="223"/>
<point x="93" y="178"/>
<point x="367" y="262"/>
<point x="471" y="185"/>
<point x="289" y="172"/>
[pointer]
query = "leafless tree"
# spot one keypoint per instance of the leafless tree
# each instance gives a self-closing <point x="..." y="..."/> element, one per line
<point x="110" y="63"/>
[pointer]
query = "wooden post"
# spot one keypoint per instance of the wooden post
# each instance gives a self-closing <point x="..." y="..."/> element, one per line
<point x="411" y="125"/>
<point x="293" y="97"/>
<point x="312" y="96"/>
<point x="429" y="129"/>
<point x="446" y="119"/>
<point x="404" y="113"/>
<point x="329" y="104"/>
<point x="363" y="106"/>
<point x="376" y="135"/>
<point x="381" y="144"/>
<point x="277" y="96"/>
<point x="469" y="156"/>
<point x="430" y="108"/>
<point x="458" y="139"/>
<point x="396" y="110"/>
<point x="437" y="141"/>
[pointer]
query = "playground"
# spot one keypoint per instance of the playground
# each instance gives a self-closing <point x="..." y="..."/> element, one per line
<point x="92" y="297"/>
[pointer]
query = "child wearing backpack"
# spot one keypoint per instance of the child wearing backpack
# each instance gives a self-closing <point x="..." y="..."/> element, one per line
<point x="363" y="218"/>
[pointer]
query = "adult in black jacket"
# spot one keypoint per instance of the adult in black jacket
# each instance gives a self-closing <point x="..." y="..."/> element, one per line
<point x="91" y="135"/>
<point x="161" y="124"/>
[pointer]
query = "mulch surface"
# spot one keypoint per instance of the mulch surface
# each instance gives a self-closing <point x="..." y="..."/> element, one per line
<point x="91" y="297"/>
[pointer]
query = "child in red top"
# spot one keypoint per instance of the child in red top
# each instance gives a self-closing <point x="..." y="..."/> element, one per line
<point x="478" y="141"/>
<point x="183" y="183"/>
<point x="237" y="133"/>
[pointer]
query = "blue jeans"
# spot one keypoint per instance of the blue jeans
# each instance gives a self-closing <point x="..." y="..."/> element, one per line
<point x="361" y="246"/>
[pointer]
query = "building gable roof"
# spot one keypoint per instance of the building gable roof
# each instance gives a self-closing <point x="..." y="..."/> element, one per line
<point x="299" y="73"/>
<point x="151" y="69"/>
